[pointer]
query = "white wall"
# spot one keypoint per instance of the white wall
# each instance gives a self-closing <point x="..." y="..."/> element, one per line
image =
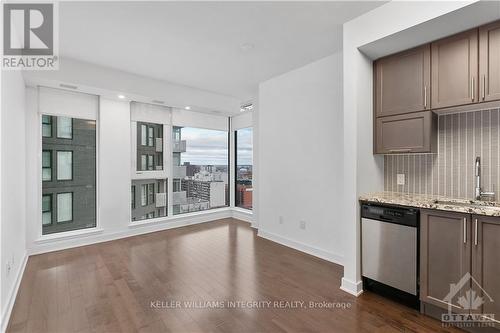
<point x="13" y="187"/>
<point x="299" y="133"/>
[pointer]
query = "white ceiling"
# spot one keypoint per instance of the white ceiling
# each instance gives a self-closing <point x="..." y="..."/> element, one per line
<point x="199" y="43"/>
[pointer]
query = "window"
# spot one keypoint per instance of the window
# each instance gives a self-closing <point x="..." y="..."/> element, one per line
<point x="150" y="162"/>
<point x="132" y="192"/>
<point x="46" y="165"/>
<point x="46" y="126"/>
<point x="151" y="194"/>
<point x="64" y="165"/>
<point x="64" y="127"/>
<point x="200" y="166"/>
<point x="46" y="209"/>
<point x="144" y="195"/>
<point x="64" y="207"/>
<point x="244" y="154"/>
<point x="176" y="185"/>
<point x="149" y="146"/>
<point x="153" y="199"/>
<point x="143" y="135"/>
<point x="69" y="175"/>
<point x="151" y="136"/>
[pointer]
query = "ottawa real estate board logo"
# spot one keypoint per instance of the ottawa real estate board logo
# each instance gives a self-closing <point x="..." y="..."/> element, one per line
<point x="30" y="39"/>
<point x="467" y="301"/>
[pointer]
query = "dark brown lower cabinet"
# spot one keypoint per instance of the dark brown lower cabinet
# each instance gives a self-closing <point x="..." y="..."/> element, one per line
<point x="486" y="265"/>
<point x="407" y="133"/>
<point x="460" y="253"/>
<point x="445" y="254"/>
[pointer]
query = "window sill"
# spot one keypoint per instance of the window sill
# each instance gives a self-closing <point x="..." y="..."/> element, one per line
<point x="178" y="217"/>
<point x="68" y="235"/>
<point x="243" y="210"/>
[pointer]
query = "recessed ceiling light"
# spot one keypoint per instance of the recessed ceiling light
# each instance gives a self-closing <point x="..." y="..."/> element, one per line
<point x="187" y="107"/>
<point x="121" y="96"/>
<point x="246" y="107"/>
<point x="246" y="46"/>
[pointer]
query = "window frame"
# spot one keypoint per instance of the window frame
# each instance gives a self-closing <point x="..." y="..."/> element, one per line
<point x="235" y="183"/>
<point x="132" y="199"/>
<point x="41" y="236"/>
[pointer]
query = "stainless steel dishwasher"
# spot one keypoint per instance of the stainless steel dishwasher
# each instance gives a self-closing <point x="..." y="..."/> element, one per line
<point x="389" y="252"/>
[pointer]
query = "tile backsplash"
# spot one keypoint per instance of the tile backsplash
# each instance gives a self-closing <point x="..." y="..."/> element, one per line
<point x="450" y="172"/>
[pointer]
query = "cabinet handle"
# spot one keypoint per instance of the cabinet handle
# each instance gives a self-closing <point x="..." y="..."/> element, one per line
<point x="465" y="230"/>
<point x="475" y="232"/>
<point x="472" y="88"/>
<point x="484" y="87"/>
<point x="399" y="150"/>
<point x="425" y="97"/>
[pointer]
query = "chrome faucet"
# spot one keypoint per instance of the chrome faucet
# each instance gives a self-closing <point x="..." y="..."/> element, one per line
<point x="479" y="194"/>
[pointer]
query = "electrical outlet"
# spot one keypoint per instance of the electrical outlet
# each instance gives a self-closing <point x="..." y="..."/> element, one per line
<point x="302" y="225"/>
<point x="401" y="179"/>
<point x="281" y="220"/>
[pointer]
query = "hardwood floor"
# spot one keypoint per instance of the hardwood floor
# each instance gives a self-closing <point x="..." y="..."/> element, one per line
<point x="110" y="287"/>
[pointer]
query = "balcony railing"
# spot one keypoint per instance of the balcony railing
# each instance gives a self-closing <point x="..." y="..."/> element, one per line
<point x="179" y="172"/>
<point x="179" y="146"/>
<point x="179" y="198"/>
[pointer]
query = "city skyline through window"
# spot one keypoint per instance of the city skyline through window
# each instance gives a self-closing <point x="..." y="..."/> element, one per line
<point x="244" y="166"/>
<point x="200" y="167"/>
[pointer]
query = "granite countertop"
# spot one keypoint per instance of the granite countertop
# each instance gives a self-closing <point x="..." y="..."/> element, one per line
<point x="434" y="202"/>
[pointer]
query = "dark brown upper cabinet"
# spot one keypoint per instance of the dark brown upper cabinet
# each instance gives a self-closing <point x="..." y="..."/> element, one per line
<point x="489" y="62"/>
<point x="406" y="133"/>
<point x="455" y="70"/>
<point x="485" y="267"/>
<point x="402" y="82"/>
<point x="445" y="254"/>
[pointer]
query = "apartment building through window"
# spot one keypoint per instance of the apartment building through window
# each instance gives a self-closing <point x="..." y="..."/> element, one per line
<point x="149" y="146"/>
<point x="68" y="174"/>
<point x="153" y="198"/>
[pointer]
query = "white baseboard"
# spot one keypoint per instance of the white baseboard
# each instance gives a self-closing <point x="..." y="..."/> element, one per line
<point x="351" y="287"/>
<point x="314" y="251"/>
<point x="11" y="299"/>
<point x="243" y="215"/>
<point x="132" y="230"/>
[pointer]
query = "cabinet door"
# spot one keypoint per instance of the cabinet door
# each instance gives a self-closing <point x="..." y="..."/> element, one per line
<point x="489" y="62"/>
<point x="402" y="82"/>
<point x="455" y="70"/>
<point x="486" y="264"/>
<point x="408" y="133"/>
<point x="445" y="250"/>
